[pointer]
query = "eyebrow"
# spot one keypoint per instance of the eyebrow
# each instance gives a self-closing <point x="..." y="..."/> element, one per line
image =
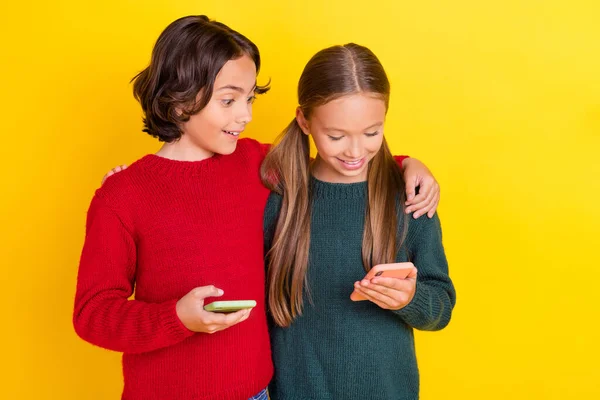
<point x="342" y="130"/>
<point x="236" y="88"/>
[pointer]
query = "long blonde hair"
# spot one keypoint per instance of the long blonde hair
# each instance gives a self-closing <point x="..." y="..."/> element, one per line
<point x="330" y="74"/>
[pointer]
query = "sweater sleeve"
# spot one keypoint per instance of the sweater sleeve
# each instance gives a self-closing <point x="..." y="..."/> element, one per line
<point x="399" y="160"/>
<point x="434" y="299"/>
<point x="103" y="314"/>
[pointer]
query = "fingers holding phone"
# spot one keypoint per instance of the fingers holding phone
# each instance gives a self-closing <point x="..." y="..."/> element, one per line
<point x="191" y="312"/>
<point x="390" y="286"/>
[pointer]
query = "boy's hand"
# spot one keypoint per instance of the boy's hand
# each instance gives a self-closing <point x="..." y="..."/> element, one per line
<point x="417" y="174"/>
<point x="191" y="312"/>
<point x="113" y="171"/>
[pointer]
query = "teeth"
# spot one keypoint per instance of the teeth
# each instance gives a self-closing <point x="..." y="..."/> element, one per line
<point x="232" y="133"/>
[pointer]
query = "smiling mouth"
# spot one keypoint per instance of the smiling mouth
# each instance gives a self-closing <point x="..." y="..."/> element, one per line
<point x="355" y="162"/>
<point x="232" y="133"/>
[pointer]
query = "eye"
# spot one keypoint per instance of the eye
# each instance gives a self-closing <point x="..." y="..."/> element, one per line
<point x="251" y="99"/>
<point x="335" y="138"/>
<point x="227" y="102"/>
<point x="371" y="134"/>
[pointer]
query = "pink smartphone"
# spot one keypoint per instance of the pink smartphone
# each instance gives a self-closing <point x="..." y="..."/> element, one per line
<point x="393" y="270"/>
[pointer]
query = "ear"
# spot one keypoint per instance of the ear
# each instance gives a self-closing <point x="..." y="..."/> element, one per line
<point x="302" y="122"/>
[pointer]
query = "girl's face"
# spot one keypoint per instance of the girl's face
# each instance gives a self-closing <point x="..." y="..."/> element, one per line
<point x="216" y="128"/>
<point x="347" y="132"/>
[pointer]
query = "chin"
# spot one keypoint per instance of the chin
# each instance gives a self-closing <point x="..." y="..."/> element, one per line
<point x="353" y="176"/>
<point x="226" y="150"/>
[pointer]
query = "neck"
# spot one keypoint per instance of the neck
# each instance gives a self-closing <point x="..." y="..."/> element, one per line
<point x="182" y="150"/>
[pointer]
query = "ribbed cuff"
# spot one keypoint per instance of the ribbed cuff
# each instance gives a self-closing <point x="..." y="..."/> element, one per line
<point x="171" y="322"/>
<point x="419" y="311"/>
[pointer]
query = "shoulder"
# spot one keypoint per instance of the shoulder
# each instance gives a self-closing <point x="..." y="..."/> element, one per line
<point x="423" y="229"/>
<point x="251" y="147"/>
<point x="125" y="184"/>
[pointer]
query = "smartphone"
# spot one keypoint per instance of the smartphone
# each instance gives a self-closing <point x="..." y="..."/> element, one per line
<point x="229" y="306"/>
<point x="393" y="270"/>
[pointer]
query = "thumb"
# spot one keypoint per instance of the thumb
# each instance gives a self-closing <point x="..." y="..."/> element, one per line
<point x="413" y="273"/>
<point x="203" y="292"/>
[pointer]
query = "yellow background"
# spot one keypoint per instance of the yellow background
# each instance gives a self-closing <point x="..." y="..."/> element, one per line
<point x="500" y="98"/>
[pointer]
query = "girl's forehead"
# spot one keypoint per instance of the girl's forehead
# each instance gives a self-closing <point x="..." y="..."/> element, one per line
<point x="351" y="111"/>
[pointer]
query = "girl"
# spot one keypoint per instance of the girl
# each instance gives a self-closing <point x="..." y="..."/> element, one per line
<point x="185" y="225"/>
<point x="331" y="220"/>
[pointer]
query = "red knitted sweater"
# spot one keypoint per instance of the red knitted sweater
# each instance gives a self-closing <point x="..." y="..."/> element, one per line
<point x="164" y="227"/>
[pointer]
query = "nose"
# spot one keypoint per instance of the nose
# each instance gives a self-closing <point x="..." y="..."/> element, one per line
<point x="354" y="149"/>
<point x="244" y="116"/>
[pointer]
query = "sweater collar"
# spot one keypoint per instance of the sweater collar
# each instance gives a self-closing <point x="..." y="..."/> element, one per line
<point x="166" y="166"/>
<point x="327" y="190"/>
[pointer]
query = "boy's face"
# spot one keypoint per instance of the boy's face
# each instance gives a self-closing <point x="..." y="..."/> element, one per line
<point x="216" y="128"/>
<point x="347" y="132"/>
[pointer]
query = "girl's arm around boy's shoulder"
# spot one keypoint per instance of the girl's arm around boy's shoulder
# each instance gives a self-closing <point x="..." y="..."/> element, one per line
<point x="103" y="314"/>
<point x="435" y="296"/>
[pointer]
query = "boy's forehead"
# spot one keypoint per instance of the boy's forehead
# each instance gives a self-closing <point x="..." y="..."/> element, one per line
<point x="238" y="74"/>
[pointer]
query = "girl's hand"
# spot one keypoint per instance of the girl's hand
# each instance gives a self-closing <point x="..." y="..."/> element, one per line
<point x="190" y="310"/>
<point x="417" y="174"/>
<point x="113" y="171"/>
<point x="389" y="293"/>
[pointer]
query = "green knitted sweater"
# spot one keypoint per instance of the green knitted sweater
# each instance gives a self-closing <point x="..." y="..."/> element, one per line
<point x="344" y="350"/>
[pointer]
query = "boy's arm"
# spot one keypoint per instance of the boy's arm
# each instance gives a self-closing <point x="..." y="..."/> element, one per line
<point x="103" y="313"/>
<point x="416" y="174"/>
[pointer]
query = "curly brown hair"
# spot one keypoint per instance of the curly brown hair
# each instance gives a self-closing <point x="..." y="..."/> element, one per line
<point x="185" y="62"/>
